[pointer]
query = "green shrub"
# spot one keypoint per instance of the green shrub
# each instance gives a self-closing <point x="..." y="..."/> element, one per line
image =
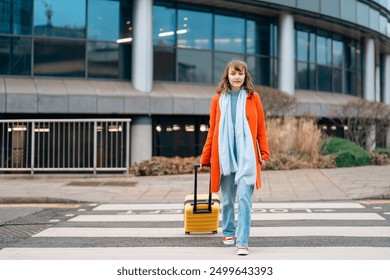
<point x="347" y="153"/>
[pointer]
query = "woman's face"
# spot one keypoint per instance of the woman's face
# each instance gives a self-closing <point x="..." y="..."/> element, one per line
<point x="236" y="78"/>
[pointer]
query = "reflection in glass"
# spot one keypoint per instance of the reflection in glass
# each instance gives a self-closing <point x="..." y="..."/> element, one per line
<point x="179" y="136"/>
<point x="324" y="50"/>
<point x="55" y="57"/>
<point x="194" y="29"/>
<point x="103" y="20"/>
<point x="60" y="18"/>
<point x="20" y="56"/>
<point x="260" y="70"/>
<point x="220" y="61"/>
<point x="338" y="54"/>
<point x="15" y="56"/>
<point x="164" y="64"/>
<point x="302" y="45"/>
<point x="324" y="78"/>
<point x="338" y="80"/>
<point x="164" y="26"/>
<point x="4" y="55"/>
<point x="258" y="37"/>
<point x="103" y="59"/>
<point x="306" y="76"/>
<point x="229" y="34"/>
<point x="16" y="17"/>
<point x="194" y="66"/>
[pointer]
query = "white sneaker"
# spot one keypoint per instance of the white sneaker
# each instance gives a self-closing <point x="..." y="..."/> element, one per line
<point x="228" y="241"/>
<point x="242" y="251"/>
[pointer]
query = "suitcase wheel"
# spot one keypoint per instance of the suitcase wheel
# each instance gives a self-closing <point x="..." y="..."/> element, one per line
<point x="214" y="232"/>
<point x="187" y="233"/>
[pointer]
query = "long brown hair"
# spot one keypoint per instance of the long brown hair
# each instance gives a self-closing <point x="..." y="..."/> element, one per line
<point x="238" y="65"/>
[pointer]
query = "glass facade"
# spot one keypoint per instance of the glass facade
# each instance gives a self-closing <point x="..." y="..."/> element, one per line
<point x="326" y="61"/>
<point x="88" y="38"/>
<point x="193" y="44"/>
<point x="182" y="136"/>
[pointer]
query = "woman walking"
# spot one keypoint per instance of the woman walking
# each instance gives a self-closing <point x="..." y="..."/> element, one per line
<point x="236" y="147"/>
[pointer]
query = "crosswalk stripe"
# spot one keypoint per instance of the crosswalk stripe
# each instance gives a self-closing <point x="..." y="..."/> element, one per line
<point x="255" y="217"/>
<point x="255" y="232"/>
<point x="196" y="253"/>
<point x="271" y="205"/>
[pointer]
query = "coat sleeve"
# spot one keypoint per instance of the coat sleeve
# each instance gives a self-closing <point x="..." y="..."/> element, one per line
<point x="261" y="129"/>
<point x="206" y="153"/>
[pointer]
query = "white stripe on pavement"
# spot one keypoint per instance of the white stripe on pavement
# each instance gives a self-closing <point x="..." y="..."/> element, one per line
<point x="255" y="232"/>
<point x="255" y="217"/>
<point x="286" y="205"/>
<point x="196" y="253"/>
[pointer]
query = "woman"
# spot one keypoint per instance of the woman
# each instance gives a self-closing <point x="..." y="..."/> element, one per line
<point x="236" y="147"/>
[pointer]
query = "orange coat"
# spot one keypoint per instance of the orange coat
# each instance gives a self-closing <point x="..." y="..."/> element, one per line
<point x="256" y="121"/>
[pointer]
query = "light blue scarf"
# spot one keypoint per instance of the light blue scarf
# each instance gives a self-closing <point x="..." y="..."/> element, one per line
<point x="245" y="164"/>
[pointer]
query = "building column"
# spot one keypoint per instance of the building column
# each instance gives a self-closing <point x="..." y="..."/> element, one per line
<point x="141" y="139"/>
<point x="386" y="80"/>
<point x="377" y="83"/>
<point x="388" y="137"/>
<point x="371" y="139"/>
<point x="369" y="70"/>
<point x="142" y="55"/>
<point x="286" y="69"/>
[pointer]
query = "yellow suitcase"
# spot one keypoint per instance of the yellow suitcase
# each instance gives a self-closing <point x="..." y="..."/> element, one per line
<point x="201" y="211"/>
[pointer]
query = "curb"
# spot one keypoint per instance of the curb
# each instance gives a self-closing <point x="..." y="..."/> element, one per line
<point x="39" y="200"/>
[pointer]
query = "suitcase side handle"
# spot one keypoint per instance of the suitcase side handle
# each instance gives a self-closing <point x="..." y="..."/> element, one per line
<point x="196" y="210"/>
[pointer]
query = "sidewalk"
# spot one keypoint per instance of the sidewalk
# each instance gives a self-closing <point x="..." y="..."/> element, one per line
<point x="367" y="182"/>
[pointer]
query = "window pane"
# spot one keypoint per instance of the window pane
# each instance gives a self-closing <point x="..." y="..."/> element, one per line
<point x="220" y="61"/>
<point x="60" y="18"/>
<point x="164" y="26"/>
<point x="324" y="78"/>
<point x="63" y="58"/>
<point x="374" y="19"/>
<point x="363" y="14"/>
<point x="348" y="10"/>
<point x="15" y="17"/>
<point x="302" y="75"/>
<point x="178" y="136"/>
<point x="312" y="47"/>
<point x="194" y="29"/>
<point x="194" y="66"/>
<point x="260" y="70"/>
<point x="324" y="48"/>
<point x="258" y="37"/>
<point x="302" y="46"/>
<point x="229" y="34"/>
<point x="15" y="56"/>
<point x="103" y="60"/>
<point x="164" y="64"/>
<point x="20" y="56"/>
<point x="338" y="80"/>
<point x="4" y="55"/>
<point x="383" y="25"/>
<point x="331" y="7"/>
<point x="338" y="54"/>
<point x="103" y="20"/>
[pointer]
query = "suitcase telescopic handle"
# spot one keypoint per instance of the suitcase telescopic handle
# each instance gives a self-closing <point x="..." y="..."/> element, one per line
<point x="196" y="210"/>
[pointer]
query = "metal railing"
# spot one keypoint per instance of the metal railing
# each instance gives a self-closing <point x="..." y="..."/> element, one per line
<point x="65" y="145"/>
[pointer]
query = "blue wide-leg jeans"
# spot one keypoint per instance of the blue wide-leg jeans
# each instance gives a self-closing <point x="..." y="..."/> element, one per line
<point x="244" y="193"/>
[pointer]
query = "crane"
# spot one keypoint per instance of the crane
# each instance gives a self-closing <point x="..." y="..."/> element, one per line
<point x="49" y="12"/>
